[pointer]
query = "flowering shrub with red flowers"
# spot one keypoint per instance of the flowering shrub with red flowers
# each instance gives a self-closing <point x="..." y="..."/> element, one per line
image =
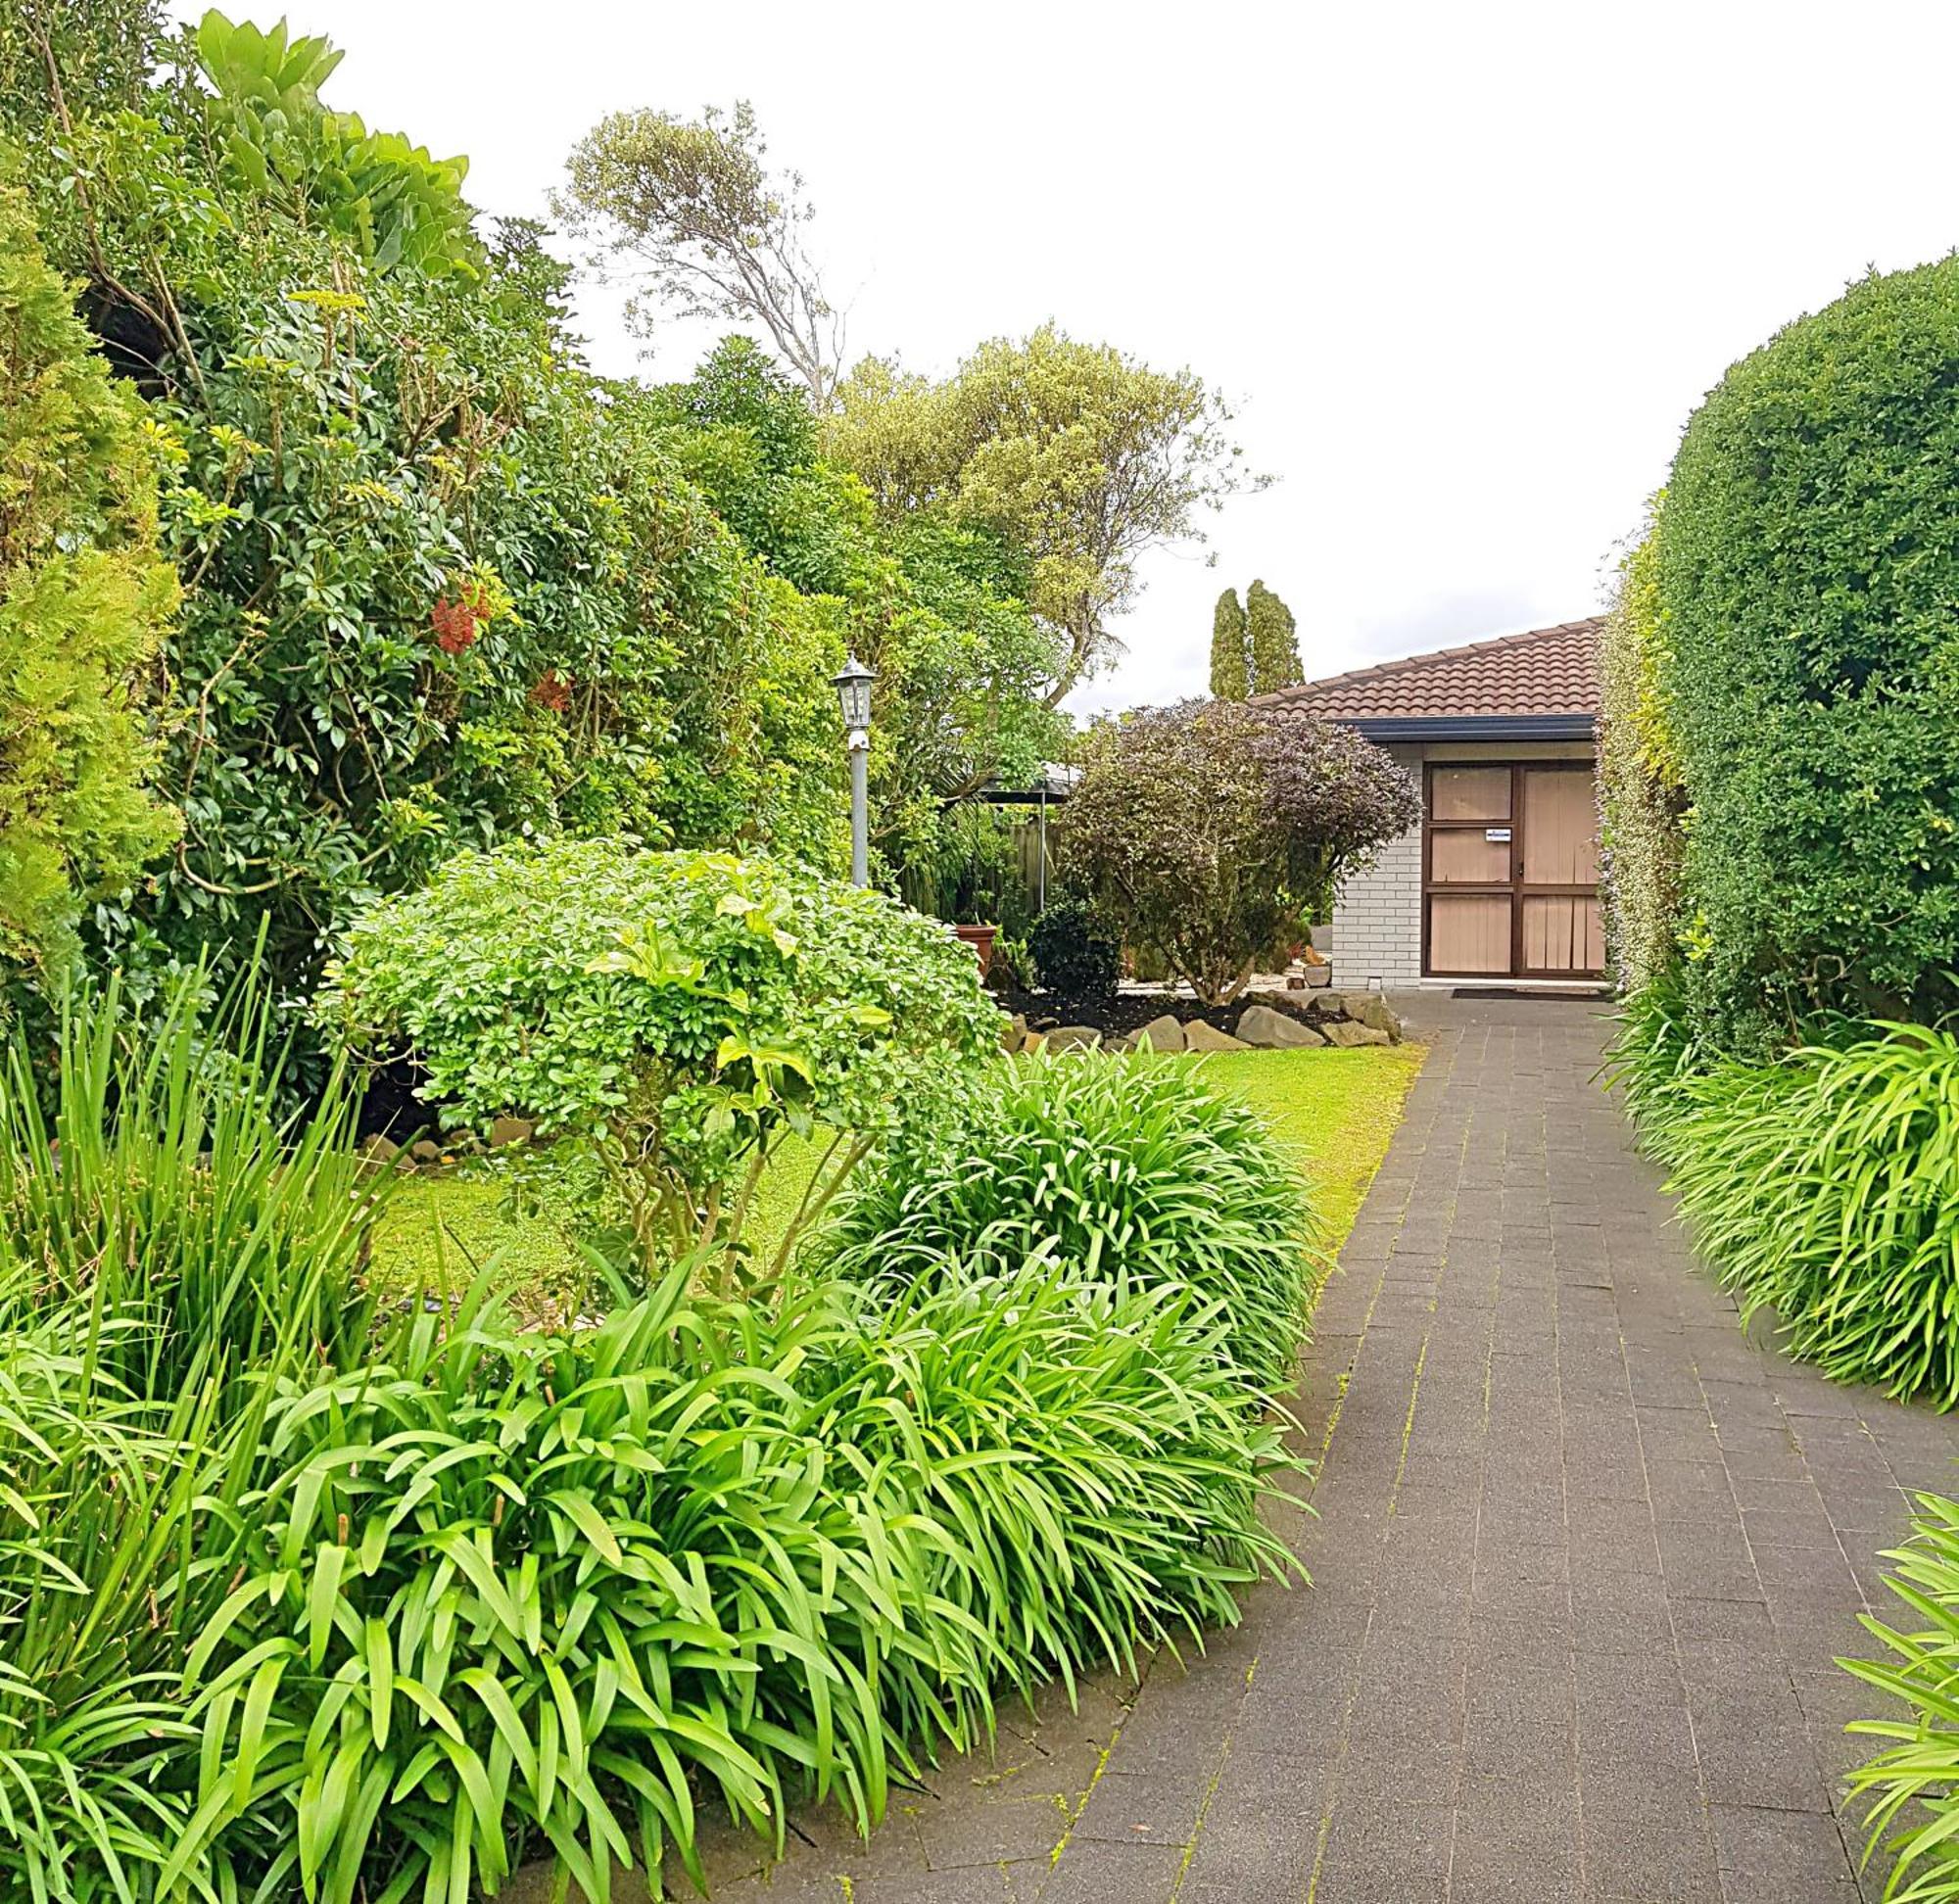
<point x="460" y="617"/>
<point x="554" y="692"/>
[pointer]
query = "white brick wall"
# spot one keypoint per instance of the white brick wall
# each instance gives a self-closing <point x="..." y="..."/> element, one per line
<point x="1377" y="911"/>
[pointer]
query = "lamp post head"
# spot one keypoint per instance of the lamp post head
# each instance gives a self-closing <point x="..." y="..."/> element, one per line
<point x="853" y="694"/>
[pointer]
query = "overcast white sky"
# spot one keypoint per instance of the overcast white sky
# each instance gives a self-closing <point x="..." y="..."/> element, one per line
<point x="1463" y="270"/>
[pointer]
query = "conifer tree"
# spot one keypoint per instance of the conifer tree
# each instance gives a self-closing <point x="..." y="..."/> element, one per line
<point x="1273" y="639"/>
<point x="1230" y="676"/>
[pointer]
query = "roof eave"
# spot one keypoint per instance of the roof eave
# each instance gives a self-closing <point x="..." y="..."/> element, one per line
<point x="1468" y="727"/>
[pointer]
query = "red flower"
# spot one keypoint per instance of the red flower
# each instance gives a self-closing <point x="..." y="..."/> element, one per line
<point x="554" y="690"/>
<point x="459" y="618"/>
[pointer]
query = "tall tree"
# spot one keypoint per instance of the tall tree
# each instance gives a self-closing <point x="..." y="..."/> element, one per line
<point x="689" y="210"/>
<point x="1231" y="676"/>
<point x="1075" y="454"/>
<point x="1273" y="636"/>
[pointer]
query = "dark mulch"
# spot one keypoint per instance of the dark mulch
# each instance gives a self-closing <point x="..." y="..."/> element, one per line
<point x="1130" y="1011"/>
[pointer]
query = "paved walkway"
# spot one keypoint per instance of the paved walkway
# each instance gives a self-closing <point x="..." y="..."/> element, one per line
<point x="1583" y="1557"/>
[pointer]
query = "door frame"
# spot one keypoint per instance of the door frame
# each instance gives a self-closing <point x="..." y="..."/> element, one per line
<point x="1514" y="888"/>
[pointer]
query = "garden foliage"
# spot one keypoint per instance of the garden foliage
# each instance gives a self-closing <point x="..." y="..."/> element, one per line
<point x="1205" y="831"/>
<point x="1135" y="1174"/>
<point x="932" y="606"/>
<point x="1781" y="829"/>
<point x="681" y="1011"/>
<point x="302" y="1599"/>
<point x="171" y="1248"/>
<point x="84" y="600"/>
<point x="1913" y="1784"/>
<point x="440" y="587"/>
<point x="1823" y="1185"/>
<point x="1640" y="789"/>
<point x="1806" y="566"/>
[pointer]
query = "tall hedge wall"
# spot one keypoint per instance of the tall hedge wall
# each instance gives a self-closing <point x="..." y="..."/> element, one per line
<point x="1808" y="578"/>
<point x="1641" y="796"/>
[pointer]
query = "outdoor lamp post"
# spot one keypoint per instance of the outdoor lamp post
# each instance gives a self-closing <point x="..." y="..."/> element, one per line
<point x="854" y="692"/>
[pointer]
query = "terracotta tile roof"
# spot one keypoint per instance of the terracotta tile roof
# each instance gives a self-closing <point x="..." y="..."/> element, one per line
<point x="1542" y="671"/>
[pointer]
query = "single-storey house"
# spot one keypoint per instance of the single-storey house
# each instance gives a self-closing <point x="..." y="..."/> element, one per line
<point x="1500" y="882"/>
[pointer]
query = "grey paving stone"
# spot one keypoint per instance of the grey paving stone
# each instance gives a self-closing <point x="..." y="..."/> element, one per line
<point x="1647" y="1849"/>
<point x="1386" y="1854"/>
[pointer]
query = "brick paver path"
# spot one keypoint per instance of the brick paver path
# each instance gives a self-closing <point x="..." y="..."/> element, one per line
<point x="1583" y="1557"/>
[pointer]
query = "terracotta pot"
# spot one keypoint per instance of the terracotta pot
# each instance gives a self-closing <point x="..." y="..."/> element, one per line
<point x="981" y="938"/>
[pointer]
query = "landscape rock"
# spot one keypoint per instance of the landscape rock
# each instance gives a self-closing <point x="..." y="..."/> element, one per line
<point x="1273" y="1030"/>
<point x="1329" y="1004"/>
<point x="1346" y="1032"/>
<point x="1073" y="1037"/>
<point x="1163" y="1033"/>
<point x="1199" y="1037"/>
<point x="424" y="1150"/>
<point x="1014" y="1033"/>
<point x="511" y="1130"/>
<point x="378" y="1148"/>
<point x="1370" y="1007"/>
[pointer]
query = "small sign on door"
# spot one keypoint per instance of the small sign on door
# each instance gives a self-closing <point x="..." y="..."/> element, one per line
<point x="1498" y="834"/>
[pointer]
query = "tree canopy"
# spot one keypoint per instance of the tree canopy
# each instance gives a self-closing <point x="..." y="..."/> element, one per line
<point x="1075" y="454"/>
<point x="688" y="211"/>
<point x="1272" y="636"/>
<point x="1254" y="647"/>
<point x="1230" y="664"/>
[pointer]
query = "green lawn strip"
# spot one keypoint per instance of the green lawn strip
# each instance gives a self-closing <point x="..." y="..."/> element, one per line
<point x="1332" y="1110"/>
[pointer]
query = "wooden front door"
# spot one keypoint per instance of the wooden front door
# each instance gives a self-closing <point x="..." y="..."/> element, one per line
<point x="1509" y="873"/>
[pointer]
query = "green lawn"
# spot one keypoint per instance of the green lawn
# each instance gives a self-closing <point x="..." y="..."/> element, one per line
<point x="1332" y="1110"/>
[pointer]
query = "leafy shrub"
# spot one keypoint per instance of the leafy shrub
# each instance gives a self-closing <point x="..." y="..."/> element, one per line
<point x="1134" y="1174"/>
<point x="398" y="205"/>
<point x="1641" y="794"/>
<point x="1808" y="559"/>
<point x="171" y="1248"/>
<point x="83" y="600"/>
<point x="1915" y="1784"/>
<point x="441" y="586"/>
<point x="518" y="1592"/>
<point x="684" y="1011"/>
<point x="1825" y="1187"/>
<point x="1074" y="952"/>
<point x="1205" y="831"/>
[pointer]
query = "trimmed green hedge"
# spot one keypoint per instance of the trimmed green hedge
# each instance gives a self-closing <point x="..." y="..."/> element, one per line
<point x="1808" y="579"/>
